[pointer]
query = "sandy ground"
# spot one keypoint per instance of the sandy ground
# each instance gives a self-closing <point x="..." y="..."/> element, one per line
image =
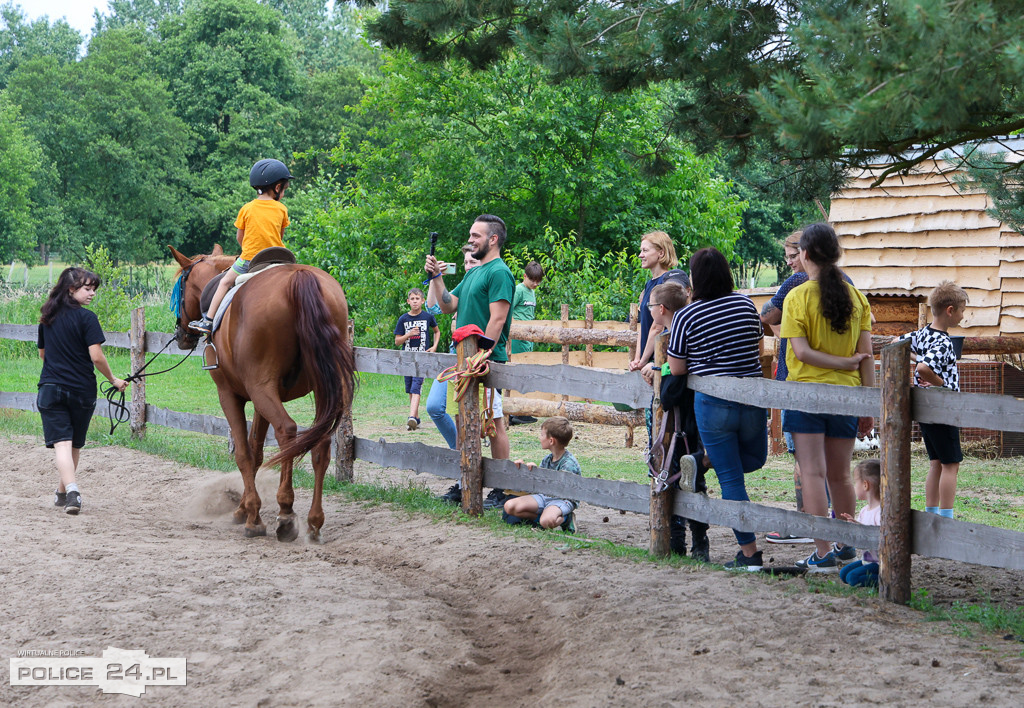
<point x="396" y="610"/>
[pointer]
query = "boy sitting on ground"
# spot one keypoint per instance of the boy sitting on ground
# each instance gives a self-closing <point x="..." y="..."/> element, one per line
<point x="932" y="349"/>
<point x="548" y="512"/>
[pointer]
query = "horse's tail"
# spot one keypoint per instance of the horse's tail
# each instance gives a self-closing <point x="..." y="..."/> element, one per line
<point x="327" y="358"/>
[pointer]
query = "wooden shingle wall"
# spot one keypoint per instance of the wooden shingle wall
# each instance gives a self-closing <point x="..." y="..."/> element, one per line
<point x="910" y="233"/>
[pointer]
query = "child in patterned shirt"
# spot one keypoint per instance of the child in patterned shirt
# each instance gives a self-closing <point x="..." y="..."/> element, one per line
<point x="932" y="349"/>
<point x="542" y="510"/>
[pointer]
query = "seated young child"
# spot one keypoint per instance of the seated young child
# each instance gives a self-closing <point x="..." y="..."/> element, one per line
<point x="545" y="511"/>
<point x="666" y="300"/>
<point x="867" y="483"/>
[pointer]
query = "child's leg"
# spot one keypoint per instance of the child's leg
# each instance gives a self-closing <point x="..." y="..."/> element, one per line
<point x="222" y="289"/>
<point x="847" y="569"/>
<point x="551" y="517"/>
<point x="414" y="405"/>
<point x="947" y="484"/>
<point x="524" y="507"/>
<point x="931" y="484"/>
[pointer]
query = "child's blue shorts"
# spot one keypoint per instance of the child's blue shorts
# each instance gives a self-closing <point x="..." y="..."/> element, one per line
<point x="829" y="424"/>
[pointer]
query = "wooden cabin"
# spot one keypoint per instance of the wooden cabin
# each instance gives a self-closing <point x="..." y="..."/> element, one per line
<point x="905" y="236"/>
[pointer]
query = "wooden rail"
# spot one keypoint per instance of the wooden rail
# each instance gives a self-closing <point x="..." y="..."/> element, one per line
<point x="926" y="534"/>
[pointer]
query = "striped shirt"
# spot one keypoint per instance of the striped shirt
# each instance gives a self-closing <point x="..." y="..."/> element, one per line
<point x="718" y="337"/>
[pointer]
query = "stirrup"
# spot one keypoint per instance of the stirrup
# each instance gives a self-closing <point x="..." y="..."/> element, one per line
<point x="207" y="366"/>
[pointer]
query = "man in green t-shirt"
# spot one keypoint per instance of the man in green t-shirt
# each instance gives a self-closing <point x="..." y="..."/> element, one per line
<point x="484" y="299"/>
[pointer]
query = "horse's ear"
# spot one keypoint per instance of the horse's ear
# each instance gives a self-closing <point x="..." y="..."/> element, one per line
<point x="217" y="250"/>
<point x="183" y="260"/>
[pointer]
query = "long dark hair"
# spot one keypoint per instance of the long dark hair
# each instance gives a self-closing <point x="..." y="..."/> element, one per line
<point x="820" y="243"/>
<point x="710" y="276"/>
<point x="60" y="297"/>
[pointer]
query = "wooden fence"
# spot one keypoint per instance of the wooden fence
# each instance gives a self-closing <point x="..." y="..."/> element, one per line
<point x="903" y="531"/>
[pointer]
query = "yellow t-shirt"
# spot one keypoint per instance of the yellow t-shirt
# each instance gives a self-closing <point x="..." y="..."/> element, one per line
<point x="262" y="221"/>
<point x="802" y="317"/>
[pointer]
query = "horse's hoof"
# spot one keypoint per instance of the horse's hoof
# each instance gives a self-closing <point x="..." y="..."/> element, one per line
<point x="287" y="530"/>
<point x="254" y="531"/>
<point x="313" y="535"/>
<point x="239" y="515"/>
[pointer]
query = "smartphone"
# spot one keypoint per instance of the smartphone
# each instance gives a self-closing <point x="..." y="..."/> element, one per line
<point x="450" y="270"/>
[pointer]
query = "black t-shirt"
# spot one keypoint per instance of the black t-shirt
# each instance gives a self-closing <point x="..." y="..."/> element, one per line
<point x="65" y="344"/>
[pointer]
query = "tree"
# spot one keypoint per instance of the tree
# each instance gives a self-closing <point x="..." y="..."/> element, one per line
<point x="829" y="84"/>
<point x="453" y="143"/>
<point x="107" y="127"/>
<point x="21" y="40"/>
<point x="20" y="156"/>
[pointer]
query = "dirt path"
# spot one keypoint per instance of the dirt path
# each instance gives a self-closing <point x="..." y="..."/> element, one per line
<point x="396" y="610"/>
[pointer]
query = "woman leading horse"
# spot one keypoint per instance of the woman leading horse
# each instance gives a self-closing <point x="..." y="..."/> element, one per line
<point x="277" y="342"/>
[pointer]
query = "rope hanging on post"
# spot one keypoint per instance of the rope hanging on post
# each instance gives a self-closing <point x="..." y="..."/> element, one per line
<point x="476" y="366"/>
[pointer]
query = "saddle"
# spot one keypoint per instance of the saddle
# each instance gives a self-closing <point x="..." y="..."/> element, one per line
<point x="275" y="255"/>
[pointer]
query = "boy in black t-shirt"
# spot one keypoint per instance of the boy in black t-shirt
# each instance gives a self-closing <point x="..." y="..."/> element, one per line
<point x="932" y="350"/>
<point x="411" y="334"/>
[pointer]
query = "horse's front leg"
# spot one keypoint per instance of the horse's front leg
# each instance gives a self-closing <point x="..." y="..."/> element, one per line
<point x="321" y="458"/>
<point x="249" y="507"/>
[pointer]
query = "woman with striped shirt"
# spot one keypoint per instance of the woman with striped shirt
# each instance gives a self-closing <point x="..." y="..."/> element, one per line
<point x="718" y="334"/>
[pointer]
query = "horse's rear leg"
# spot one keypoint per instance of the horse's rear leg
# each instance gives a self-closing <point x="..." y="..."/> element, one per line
<point x="249" y="507"/>
<point x="321" y="457"/>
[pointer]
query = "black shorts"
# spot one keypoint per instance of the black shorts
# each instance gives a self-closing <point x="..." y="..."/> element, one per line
<point x="942" y="442"/>
<point x="65" y="415"/>
<point x="413" y="384"/>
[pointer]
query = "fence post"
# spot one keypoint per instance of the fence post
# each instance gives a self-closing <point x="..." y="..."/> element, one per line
<point x="661" y="504"/>
<point x="344" y="437"/>
<point x="565" y="347"/>
<point x="895" y="531"/>
<point x="469" y="435"/>
<point x="137" y="409"/>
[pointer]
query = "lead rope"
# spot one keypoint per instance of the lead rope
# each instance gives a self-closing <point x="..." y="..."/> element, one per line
<point x="117" y="411"/>
<point x="476" y="366"/>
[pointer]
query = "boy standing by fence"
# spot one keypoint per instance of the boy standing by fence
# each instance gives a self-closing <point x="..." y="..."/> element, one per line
<point x="548" y="512"/>
<point x="932" y="349"/>
<point x="411" y="334"/>
<point x="524" y="304"/>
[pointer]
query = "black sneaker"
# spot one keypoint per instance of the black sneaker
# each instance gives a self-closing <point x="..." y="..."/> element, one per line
<point x="73" y="504"/>
<point x="844" y="554"/>
<point x="60" y="499"/>
<point x="742" y="562"/>
<point x="521" y="419"/>
<point x="204" y="324"/>
<point x="496" y="499"/>
<point x="776" y="537"/>
<point x="453" y="495"/>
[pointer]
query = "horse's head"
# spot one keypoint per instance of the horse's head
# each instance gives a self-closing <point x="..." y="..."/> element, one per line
<point x="195" y="273"/>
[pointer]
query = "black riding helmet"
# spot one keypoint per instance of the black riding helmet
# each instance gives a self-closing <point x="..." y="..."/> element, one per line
<point x="266" y="173"/>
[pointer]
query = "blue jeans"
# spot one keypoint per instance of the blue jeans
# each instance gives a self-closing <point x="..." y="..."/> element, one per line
<point x="437" y="400"/>
<point x="735" y="437"/>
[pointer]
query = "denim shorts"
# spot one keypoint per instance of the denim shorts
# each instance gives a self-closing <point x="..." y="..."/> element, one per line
<point x="413" y="384"/>
<point x="544" y="501"/>
<point x="832" y="425"/>
<point x="65" y="415"/>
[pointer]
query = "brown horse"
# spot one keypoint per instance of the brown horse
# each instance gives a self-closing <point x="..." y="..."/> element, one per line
<point x="283" y="336"/>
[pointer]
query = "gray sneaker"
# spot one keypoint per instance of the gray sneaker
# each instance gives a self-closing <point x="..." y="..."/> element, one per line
<point x="814" y="564"/>
<point x="844" y="554"/>
<point x="73" y="504"/>
<point x="60" y="499"/>
<point x="687" y="473"/>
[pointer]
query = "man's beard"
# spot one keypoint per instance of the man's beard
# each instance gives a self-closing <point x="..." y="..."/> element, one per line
<point x="484" y="250"/>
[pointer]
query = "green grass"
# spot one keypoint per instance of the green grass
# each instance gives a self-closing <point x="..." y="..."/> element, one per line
<point x="964" y="618"/>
